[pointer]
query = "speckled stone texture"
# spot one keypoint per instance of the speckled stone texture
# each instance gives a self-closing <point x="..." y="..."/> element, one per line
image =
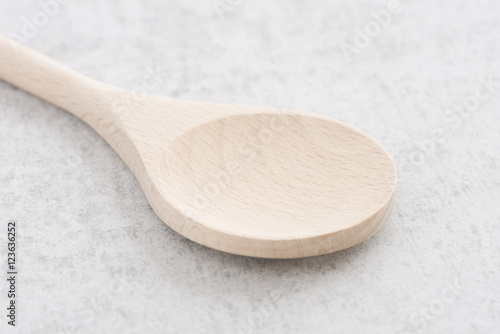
<point x="93" y="256"/>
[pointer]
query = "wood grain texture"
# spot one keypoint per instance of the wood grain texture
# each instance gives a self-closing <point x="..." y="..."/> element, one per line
<point x="253" y="181"/>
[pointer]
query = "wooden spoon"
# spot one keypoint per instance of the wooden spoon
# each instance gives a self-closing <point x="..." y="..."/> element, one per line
<point x="246" y="180"/>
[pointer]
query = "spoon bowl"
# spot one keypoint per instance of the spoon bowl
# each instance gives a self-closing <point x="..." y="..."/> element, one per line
<point x="278" y="181"/>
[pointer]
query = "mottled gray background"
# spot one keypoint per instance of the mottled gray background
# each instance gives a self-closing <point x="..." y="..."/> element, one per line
<point x="93" y="256"/>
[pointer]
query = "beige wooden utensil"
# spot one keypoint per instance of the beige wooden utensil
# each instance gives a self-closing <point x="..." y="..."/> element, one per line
<point x="246" y="180"/>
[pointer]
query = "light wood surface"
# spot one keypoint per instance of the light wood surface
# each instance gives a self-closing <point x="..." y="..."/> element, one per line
<point x="253" y="181"/>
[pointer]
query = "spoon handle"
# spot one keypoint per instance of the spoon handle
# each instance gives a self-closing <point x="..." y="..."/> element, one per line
<point x="49" y="80"/>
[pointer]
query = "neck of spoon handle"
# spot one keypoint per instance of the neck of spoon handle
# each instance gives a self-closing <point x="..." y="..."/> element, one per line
<point x="49" y="80"/>
<point x="90" y="100"/>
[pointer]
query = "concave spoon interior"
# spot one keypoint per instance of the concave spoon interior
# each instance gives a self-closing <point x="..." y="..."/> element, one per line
<point x="253" y="181"/>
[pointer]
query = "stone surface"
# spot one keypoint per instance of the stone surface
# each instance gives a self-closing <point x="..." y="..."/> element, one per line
<point x="93" y="256"/>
